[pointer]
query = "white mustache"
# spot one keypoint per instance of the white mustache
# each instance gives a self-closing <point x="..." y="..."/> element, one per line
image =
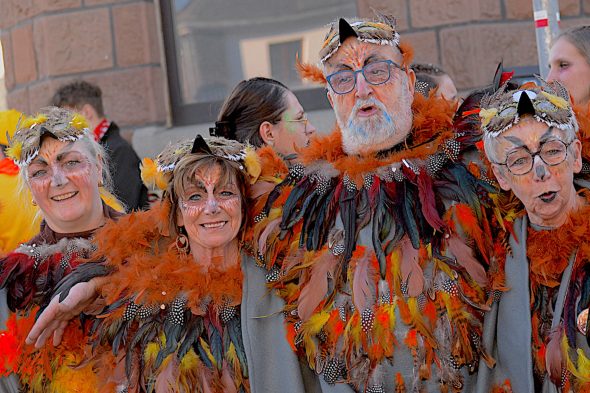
<point x="368" y="101"/>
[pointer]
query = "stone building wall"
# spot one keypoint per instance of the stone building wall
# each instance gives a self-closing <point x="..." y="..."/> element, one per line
<point x="469" y="37"/>
<point x="113" y="43"/>
<point x="116" y="44"/>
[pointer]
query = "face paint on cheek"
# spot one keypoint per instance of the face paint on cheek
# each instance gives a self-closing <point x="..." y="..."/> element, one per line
<point x="38" y="185"/>
<point x="230" y="203"/>
<point x="193" y="209"/>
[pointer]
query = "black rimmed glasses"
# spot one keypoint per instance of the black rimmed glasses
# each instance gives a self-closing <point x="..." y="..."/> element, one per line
<point x="520" y="161"/>
<point x="375" y="73"/>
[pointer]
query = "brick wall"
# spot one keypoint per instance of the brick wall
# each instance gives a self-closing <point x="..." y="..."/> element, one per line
<point x="113" y="43"/>
<point x="469" y="37"/>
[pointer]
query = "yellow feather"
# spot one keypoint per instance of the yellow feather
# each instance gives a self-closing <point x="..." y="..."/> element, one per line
<point x="111" y="200"/>
<point x="190" y="361"/>
<point x="31" y="121"/>
<point x="315" y="323"/>
<point x="74" y="380"/>
<point x="208" y="351"/>
<point x="15" y="151"/>
<point x="8" y="123"/>
<point x="486" y="115"/>
<point x="151" y="352"/>
<point x="555" y="100"/>
<point x="252" y="163"/>
<point x="151" y="176"/>
<point x="78" y="122"/>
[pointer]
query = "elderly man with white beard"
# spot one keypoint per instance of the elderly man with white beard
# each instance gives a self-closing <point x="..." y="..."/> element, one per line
<point x="379" y="242"/>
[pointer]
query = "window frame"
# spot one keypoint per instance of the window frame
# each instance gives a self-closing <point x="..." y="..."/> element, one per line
<point x="183" y="114"/>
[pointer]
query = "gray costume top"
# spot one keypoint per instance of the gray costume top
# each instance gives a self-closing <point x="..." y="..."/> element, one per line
<point x="507" y="327"/>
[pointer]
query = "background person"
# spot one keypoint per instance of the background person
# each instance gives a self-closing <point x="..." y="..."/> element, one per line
<point x="264" y="112"/>
<point x="86" y="99"/>
<point x="569" y="60"/>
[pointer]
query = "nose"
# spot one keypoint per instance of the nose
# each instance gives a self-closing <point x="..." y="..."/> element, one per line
<point x="552" y="74"/>
<point x="310" y="129"/>
<point x="212" y="207"/>
<point x="540" y="170"/>
<point x="58" y="179"/>
<point x="363" y="89"/>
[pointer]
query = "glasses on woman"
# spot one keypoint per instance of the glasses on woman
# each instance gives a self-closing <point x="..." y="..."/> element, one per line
<point x="303" y="120"/>
<point x="376" y="73"/>
<point x="520" y="162"/>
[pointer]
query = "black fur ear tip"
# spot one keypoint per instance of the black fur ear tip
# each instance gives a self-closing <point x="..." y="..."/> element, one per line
<point x="345" y="30"/>
<point x="200" y="146"/>
<point x="525" y="105"/>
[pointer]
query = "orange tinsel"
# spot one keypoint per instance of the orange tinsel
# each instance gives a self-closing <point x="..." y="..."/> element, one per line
<point x="431" y="127"/>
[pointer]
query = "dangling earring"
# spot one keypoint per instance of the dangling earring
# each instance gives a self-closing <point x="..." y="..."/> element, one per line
<point x="182" y="244"/>
<point x="100" y="183"/>
<point x="33" y="202"/>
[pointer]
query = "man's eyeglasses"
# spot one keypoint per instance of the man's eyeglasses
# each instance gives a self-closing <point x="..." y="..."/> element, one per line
<point x="375" y="73"/>
<point x="520" y="162"/>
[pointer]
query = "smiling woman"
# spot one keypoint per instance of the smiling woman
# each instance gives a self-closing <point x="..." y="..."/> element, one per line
<point x="183" y="303"/>
<point x="64" y="170"/>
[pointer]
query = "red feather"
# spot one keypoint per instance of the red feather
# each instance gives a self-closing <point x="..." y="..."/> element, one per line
<point x="463" y="253"/>
<point x="316" y="288"/>
<point x="472" y="227"/>
<point x="410" y="269"/>
<point x="428" y="201"/>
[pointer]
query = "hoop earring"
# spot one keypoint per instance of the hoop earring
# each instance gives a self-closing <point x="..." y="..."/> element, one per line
<point x="182" y="244"/>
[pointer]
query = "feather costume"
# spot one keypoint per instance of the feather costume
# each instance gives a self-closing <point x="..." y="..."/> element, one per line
<point x="364" y="244"/>
<point x="170" y="325"/>
<point x="30" y="274"/>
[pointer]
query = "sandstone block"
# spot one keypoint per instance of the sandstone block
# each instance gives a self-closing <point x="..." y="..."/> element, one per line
<point x="136" y="36"/>
<point x="14" y="11"/>
<point x="425" y="46"/>
<point x="56" y="5"/>
<point x="132" y="96"/>
<point x="23" y="54"/>
<point x="470" y="54"/>
<point x="73" y="42"/>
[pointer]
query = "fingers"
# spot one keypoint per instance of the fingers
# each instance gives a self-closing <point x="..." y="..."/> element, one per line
<point x="45" y="334"/>
<point x="59" y="333"/>
<point x="44" y="320"/>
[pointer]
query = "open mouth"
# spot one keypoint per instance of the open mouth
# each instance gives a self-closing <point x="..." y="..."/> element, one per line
<point x="214" y="225"/>
<point x="548" y="197"/>
<point x="367" y="110"/>
<point x="63" y="197"/>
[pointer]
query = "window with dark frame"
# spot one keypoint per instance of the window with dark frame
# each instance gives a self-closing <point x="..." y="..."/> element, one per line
<point x="211" y="45"/>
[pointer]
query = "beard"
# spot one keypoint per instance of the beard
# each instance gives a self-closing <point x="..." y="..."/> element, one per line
<point x="365" y="135"/>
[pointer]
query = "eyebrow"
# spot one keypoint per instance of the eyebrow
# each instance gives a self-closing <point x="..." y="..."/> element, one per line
<point x="515" y="140"/>
<point x="547" y="135"/>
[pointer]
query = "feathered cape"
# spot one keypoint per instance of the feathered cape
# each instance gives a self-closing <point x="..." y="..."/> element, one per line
<point x="30" y="275"/>
<point x="347" y="240"/>
<point x="170" y="325"/>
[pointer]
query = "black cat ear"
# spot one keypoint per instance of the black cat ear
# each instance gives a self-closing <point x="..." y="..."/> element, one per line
<point x="200" y="146"/>
<point x="525" y="105"/>
<point x="345" y="30"/>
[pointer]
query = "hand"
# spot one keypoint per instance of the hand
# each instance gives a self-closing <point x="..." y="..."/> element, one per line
<point x="55" y="318"/>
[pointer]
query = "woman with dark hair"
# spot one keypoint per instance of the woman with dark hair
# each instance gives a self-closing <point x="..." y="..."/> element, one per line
<point x="262" y="111"/>
<point x="570" y="63"/>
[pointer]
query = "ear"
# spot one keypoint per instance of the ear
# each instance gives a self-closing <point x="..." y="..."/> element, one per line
<point x="411" y="80"/>
<point x="500" y="174"/>
<point x="267" y="133"/>
<point x="576" y="147"/>
<point x="88" y="112"/>
<point x="99" y="167"/>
